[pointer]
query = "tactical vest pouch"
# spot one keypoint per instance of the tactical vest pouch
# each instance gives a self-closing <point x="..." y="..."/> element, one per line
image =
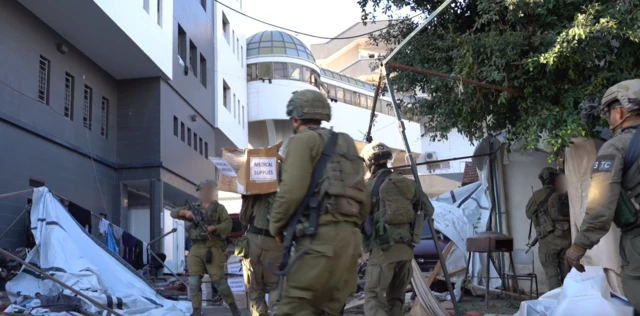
<point x="626" y="212"/>
<point x="388" y="235"/>
<point x="341" y="187"/>
<point x="396" y="201"/>
<point x="242" y="247"/>
<point x="541" y="220"/>
<point x="418" y="227"/>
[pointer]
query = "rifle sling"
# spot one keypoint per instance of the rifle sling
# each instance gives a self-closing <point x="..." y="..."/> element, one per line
<point x="375" y="190"/>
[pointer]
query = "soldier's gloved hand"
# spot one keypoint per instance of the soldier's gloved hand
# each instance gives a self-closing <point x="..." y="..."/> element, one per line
<point x="186" y="214"/>
<point x="574" y="255"/>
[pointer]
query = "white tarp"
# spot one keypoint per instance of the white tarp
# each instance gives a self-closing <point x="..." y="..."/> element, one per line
<point x="584" y="294"/>
<point x="579" y="159"/>
<point x="64" y="250"/>
<point x="460" y="214"/>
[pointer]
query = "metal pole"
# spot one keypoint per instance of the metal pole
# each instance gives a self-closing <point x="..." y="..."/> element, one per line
<point x="414" y="170"/>
<point x="418" y="29"/>
<point x="14" y="193"/>
<point x="49" y="277"/>
<point x="165" y="235"/>
<point x="15" y="221"/>
<point x="159" y="260"/>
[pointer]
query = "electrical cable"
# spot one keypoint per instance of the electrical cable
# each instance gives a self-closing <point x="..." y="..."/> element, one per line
<point x="311" y="35"/>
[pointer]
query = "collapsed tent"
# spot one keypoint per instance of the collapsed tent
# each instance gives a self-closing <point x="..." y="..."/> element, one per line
<point x="65" y="251"/>
<point x="460" y="214"/>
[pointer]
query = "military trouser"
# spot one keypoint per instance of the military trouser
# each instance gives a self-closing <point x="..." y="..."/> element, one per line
<point x="198" y="268"/>
<point x="259" y="281"/>
<point x="322" y="280"/>
<point x="630" y="255"/>
<point x="552" y="250"/>
<point x="385" y="286"/>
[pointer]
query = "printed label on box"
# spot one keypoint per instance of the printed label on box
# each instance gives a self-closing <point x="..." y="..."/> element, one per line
<point x="224" y="167"/>
<point x="263" y="169"/>
<point x="234" y="268"/>
<point x="236" y="284"/>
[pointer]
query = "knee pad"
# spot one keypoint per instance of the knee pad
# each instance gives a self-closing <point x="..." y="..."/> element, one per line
<point x="195" y="281"/>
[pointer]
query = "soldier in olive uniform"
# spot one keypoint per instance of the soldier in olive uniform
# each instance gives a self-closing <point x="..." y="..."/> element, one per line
<point x="323" y="278"/>
<point x="621" y="107"/>
<point x="207" y="246"/>
<point x="262" y="248"/>
<point x="389" y="267"/>
<point x="548" y="208"/>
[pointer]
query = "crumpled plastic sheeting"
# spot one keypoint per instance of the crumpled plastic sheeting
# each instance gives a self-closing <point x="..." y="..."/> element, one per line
<point x="580" y="156"/>
<point x="460" y="214"/>
<point x="581" y="294"/>
<point x="66" y="252"/>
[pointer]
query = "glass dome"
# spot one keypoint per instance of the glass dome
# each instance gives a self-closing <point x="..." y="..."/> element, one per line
<point x="277" y="43"/>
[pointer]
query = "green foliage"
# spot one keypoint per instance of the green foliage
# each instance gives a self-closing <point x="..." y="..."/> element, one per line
<point x="556" y="52"/>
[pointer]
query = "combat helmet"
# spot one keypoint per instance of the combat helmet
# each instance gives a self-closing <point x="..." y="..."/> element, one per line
<point x="205" y="184"/>
<point x="309" y="105"/>
<point x="626" y="92"/>
<point x="376" y="153"/>
<point x="547" y="175"/>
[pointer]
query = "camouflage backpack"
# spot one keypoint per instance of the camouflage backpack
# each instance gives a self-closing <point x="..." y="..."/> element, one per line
<point x="341" y="188"/>
<point x="395" y="202"/>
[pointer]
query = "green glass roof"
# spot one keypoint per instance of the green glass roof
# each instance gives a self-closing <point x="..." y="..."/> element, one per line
<point x="277" y="43"/>
<point x="348" y="80"/>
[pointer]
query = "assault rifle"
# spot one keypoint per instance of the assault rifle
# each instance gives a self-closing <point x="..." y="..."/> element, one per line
<point x="531" y="244"/>
<point x="309" y="203"/>
<point x="198" y="221"/>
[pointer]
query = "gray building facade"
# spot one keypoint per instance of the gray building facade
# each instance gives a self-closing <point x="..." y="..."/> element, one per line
<point x="105" y="140"/>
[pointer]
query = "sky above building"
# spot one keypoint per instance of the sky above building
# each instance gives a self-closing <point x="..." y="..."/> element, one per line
<point x="326" y="18"/>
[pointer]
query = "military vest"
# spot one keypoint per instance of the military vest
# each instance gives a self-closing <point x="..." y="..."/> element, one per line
<point x="541" y="220"/>
<point x="628" y="208"/>
<point x="341" y="188"/>
<point x="208" y="214"/>
<point x="261" y="210"/>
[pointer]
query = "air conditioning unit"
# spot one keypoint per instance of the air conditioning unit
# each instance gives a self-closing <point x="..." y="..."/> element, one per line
<point x="426" y="157"/>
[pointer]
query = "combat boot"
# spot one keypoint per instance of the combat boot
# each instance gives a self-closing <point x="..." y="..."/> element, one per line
<point x="197" y="312"/>
<point x="234" y="309"/>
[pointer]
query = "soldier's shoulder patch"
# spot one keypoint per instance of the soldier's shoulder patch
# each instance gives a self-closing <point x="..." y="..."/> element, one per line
<point x="603" y="163"/>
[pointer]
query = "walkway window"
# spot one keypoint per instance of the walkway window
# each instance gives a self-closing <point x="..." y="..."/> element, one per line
<point x="252" y="72"/>
<point x="265" y="71"/>
<point x="294" y="72"/>
<point x="280" y="71"/>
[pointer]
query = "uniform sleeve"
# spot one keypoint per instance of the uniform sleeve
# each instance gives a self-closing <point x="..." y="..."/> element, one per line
<point x="246" y="210"/>
<point x="225" y="223"/>
<point x="297" y="167"/>
<point x="426" y="205"/>
<point x="606" y="178"/>
<point x="531" y="207"/>
<point x="175" y="211"/>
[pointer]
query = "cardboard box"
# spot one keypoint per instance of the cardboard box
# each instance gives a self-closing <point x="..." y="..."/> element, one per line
<point x="248" y="171"/>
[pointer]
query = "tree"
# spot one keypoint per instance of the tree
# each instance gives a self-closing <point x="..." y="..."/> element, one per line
<point x="556" y="52"/>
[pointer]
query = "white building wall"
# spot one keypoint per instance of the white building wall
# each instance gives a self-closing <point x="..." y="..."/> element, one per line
<point x="455" y="146"/>
<point x="230" y="68"/>
<point x="151" y="31"/>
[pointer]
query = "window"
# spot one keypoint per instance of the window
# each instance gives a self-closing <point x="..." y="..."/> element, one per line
<point x="195" y="141"/>
<point x="145" y="5"/>
<point x="87" y="105"/>
<point x="200" y="144"/>
<point x="225" y="27"/>
<point x="203" y="71"/>
<point x="182" y="131"/>
<point x="264" y="70"/>
<point x="233" y="45"/>
<point x="369" y="102"/>
<point x="239" y="111"/>
<point x="356" y="99"/>
<point x="204" y="4"/>
<point x="43" y="80"/>
<point x="294" y="72"/>
<point x="241" y="56"/>
<point x="69" y="86"/>
<point x="175" y="126"/>
<point x="348" y="97"/>
<point x="160" y="13"/>
<point x="193" y="58"/>
<point x="332" y="91"/>
<point x="280" y="71"/>
<point x="225" y="94"/>
<point x="340" y="94"/>
<point x="206" y="150"/>
<point x="234" y="105"/>
<point x="189" y="136"/>
<point x="243" y="116"/>
<point x="104" y="118"/>
<point x="252" y="72"/>
<point x="306" y="75"/>
<point x="182" y="43"/>
<point x="238" y="47"/>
